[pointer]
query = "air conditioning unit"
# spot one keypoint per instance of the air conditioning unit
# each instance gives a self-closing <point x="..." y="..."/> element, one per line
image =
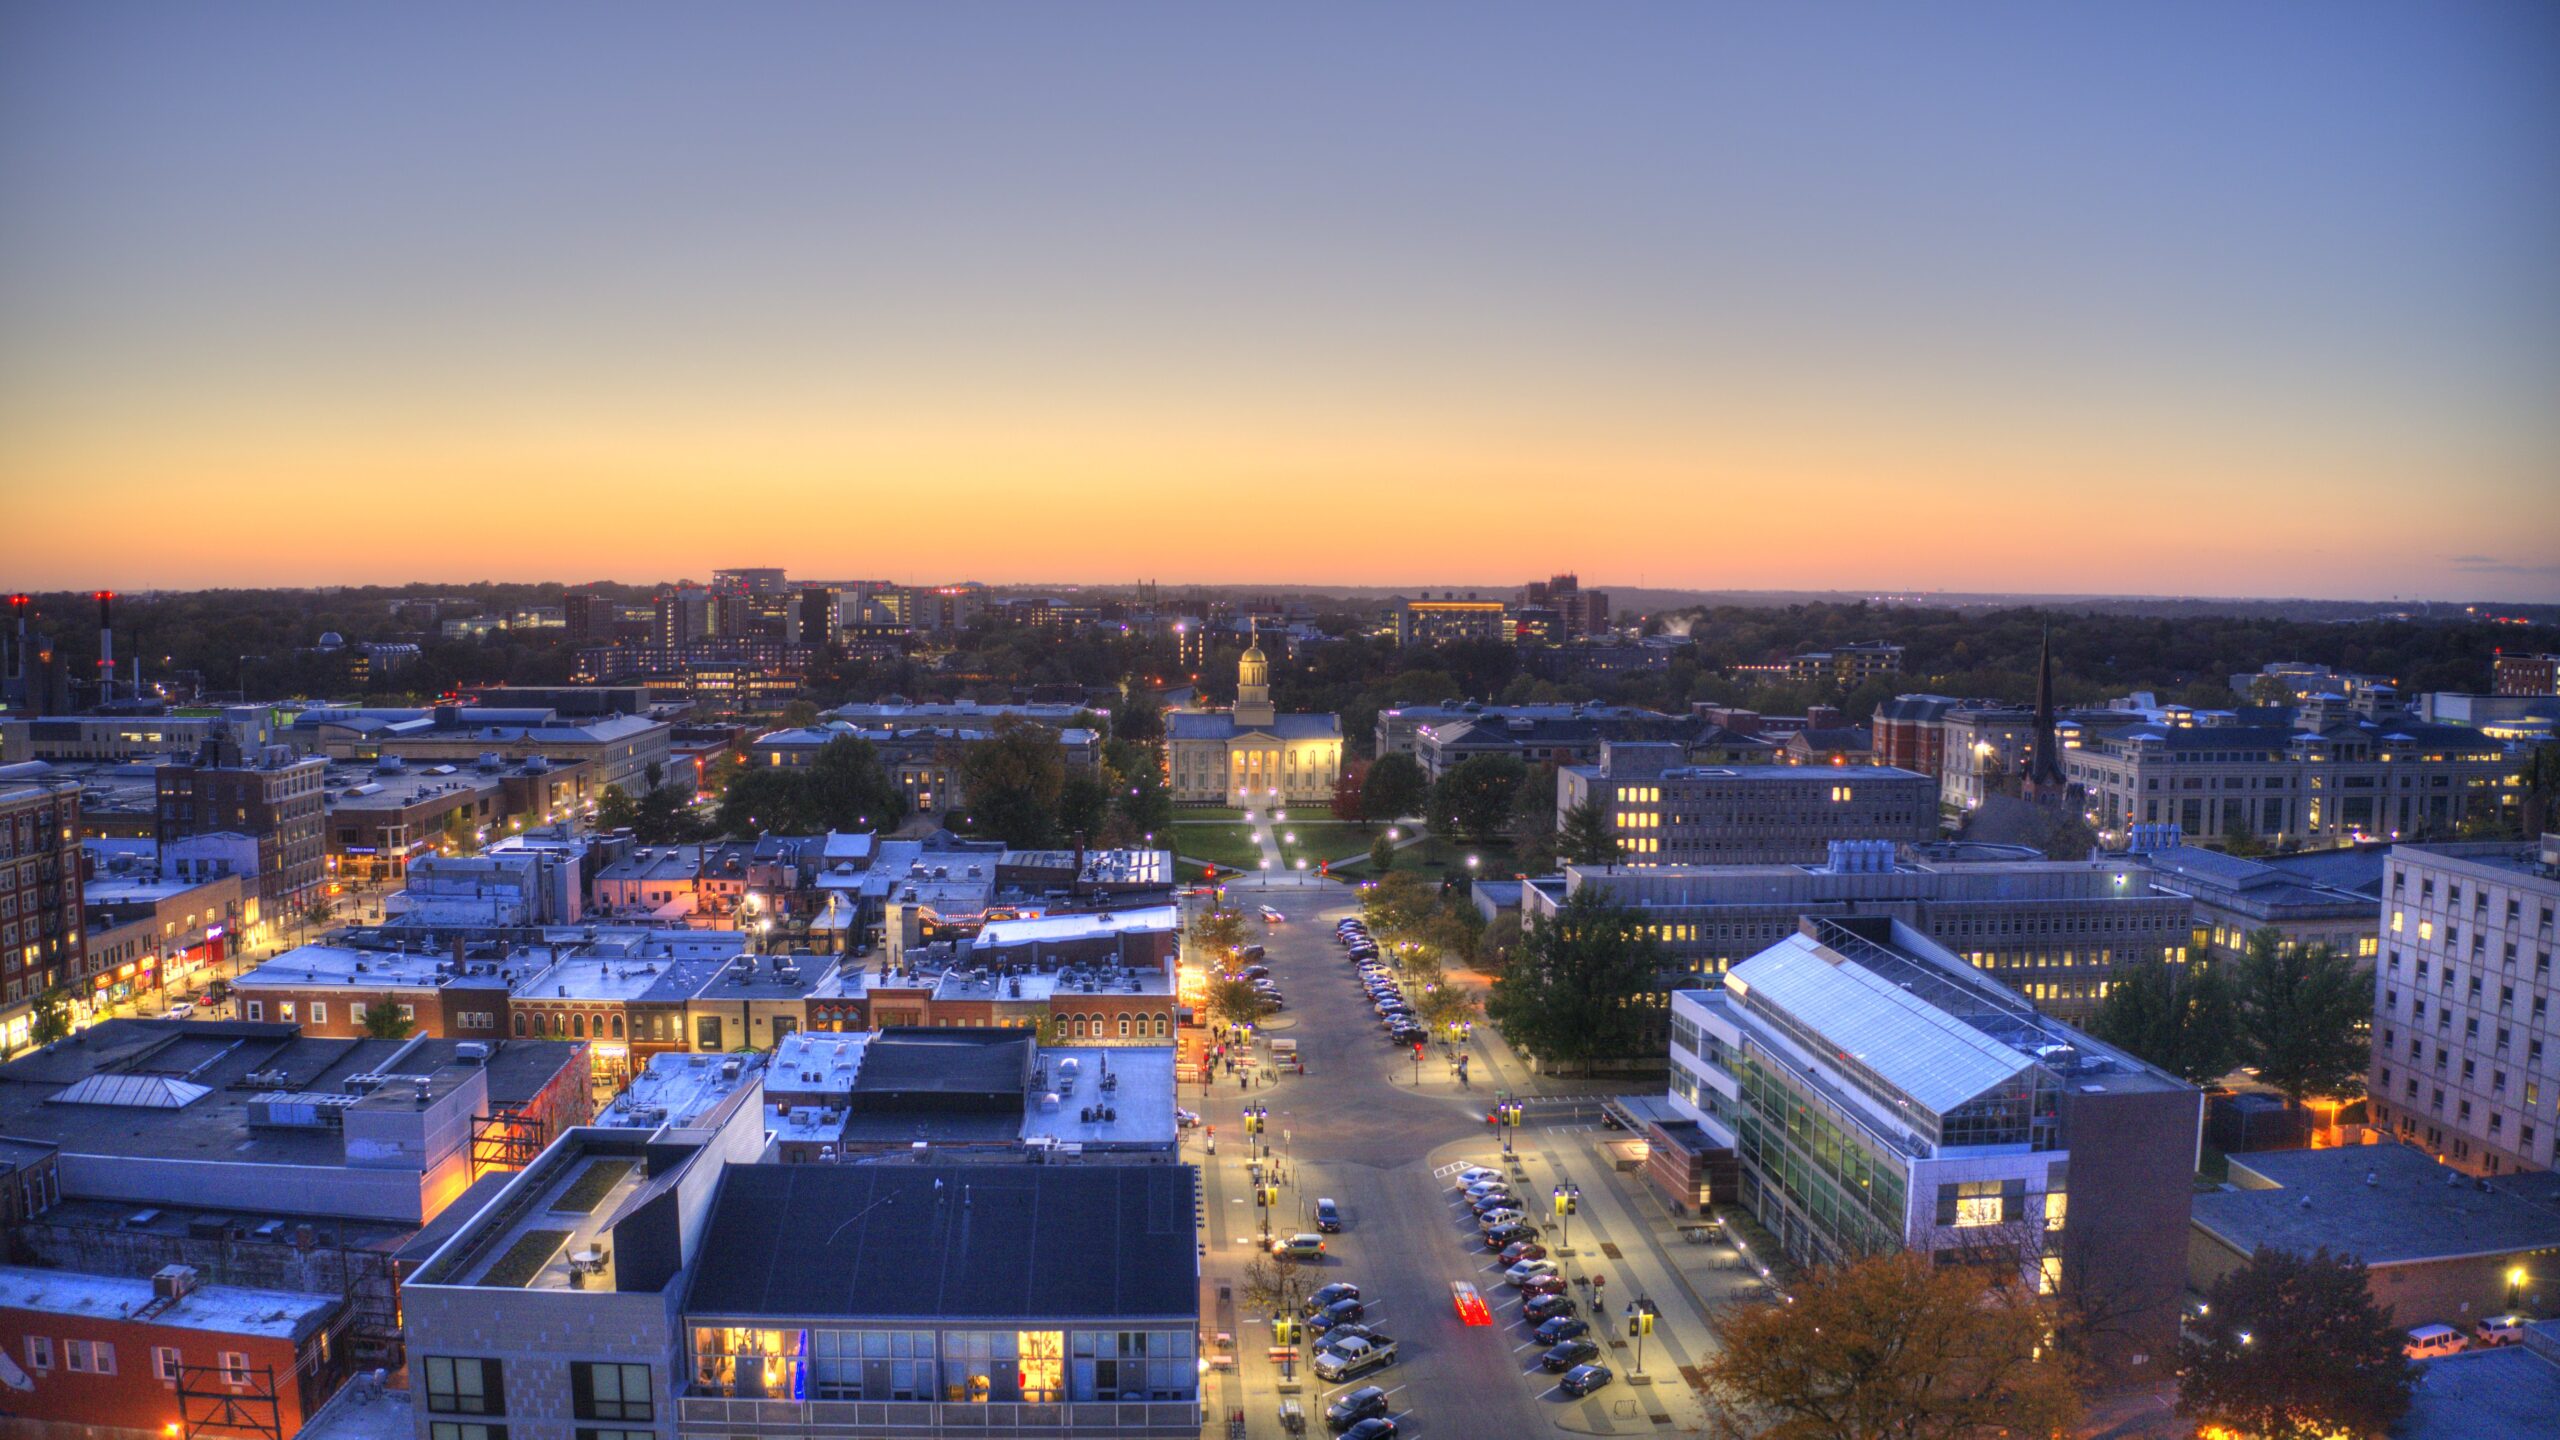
<point x="172" y="1282"/>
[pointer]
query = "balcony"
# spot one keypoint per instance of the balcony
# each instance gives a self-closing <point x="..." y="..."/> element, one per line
<point x="867" y="1418"/>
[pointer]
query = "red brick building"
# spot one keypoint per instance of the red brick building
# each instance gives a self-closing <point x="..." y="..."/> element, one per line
<point x="41" y="934"/>
<point x="1910" y="732"/>
<point x="149" y="1356"/>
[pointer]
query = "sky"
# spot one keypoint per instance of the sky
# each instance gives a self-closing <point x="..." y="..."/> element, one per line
<point x="2162" y="298"/>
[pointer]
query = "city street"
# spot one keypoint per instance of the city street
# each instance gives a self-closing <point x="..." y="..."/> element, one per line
<point x="1358" y="1128"/>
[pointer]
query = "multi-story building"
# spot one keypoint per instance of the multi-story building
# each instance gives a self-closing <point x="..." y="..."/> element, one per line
<point x="327" y="989"/>
<point x="2350" y="781"/>
<point x="1576" y="739"/>
<point x="271" y="795"/>
<point x="2299" y="897"/>
<point x="2059" y="932"/>
<point x="1910" y="732"/>
<point x="2462" y="1003"/>
<point x="1431" y="622"/>
<point x="608" y="748"/>
<point x="2525" y="675"/>
<point x="1848" y="666"/>
<point x="139" y="735"/>
<point x="1577" y="614"/>
<point x="821" y="615"/>
<point x="382" y="817"/>
<point x="1878" y="1092"/>
<point x="922" y="760"/>
<point x="1252" y="754"/>
<point x="1667" y="812"/>
<point x="745" y="672"/>
<point x="148" y="930"/>
<point x="42" y="927"/>
<point x="1400" y="727"/>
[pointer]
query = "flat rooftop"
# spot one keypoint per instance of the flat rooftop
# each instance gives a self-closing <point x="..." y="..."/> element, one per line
<point x="307" y="967"/>
<point x="1093" y="1241"/>
<point x="680" y="1088"/>
<point x="220" y="1309"/>
<point x="2511" y="1392"/>
<point x="1055" y="929"/>
<point x="1135" y="1083"/>
<point x="2414" y="1211"/>
<point x="556" y="1221"/>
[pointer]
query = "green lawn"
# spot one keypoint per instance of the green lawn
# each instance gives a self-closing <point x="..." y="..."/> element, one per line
<point x="1435" y="859"/>
<point x="1228" y="844"/>
<point x="1334" y="840"/>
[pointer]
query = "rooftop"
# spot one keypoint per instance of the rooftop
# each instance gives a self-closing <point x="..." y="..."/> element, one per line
<point x="222" y="1309"/>
<point x="2415" y="1210"/>
<point x="1926" y="1053"/>
<point x="2510" y="1392"/>
<point x="680" y="1088"/>
<point x="1058" y="929"/>
<point x="308" y="967"/>
<point x="962" y="1241"/>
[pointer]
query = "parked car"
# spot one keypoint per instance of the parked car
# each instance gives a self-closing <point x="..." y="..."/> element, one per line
<point x="1558" y="1328"/>
<point x="1566" y="1354"/>
<point x="1499" y="1236"/>
<point x="1364" y="1403"/>
<point x="1256" y="972"/>
<point x="1328" y="1217"/>
<point x="1543" y="1285"/>
<point x="1340" y="1312"/>
<point x="1489" y="1183"/>
<point x="1519" y="1250"/>
<point x="1184" y="1119"/>
<point x="1583" y="1379"/>
<point x="1541" y="1308"/>
<point x="1300" y="1246"/>
<point x="1376" y="1427"/>
<point x="1528" y="1269"/>
<point x="1327" y="1294"/>
<point x="1496" y="1219"/>
<point x="1477" y="1175"/>
<point x="2426" y="1342"/>
<point x="2500" y="1330"/>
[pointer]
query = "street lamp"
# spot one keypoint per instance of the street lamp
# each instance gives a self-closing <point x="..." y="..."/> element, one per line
<point x="1568" y="1199"/>
<point x="2515" y="1285"/>
<point x="1639" y="1325"/>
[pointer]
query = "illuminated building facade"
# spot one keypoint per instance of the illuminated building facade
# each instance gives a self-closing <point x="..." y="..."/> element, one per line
<point x="1252" y="755"/>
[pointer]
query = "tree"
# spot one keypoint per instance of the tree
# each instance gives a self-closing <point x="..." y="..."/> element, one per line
<point x="2238" y="839"/>
<point x="1346" y="792"/>
<point x="1398" y="906"/>
<point x="2302" y="1007"/>
<point x="2183" y="1018"/>
<point x="1446" y="1004"/>
<point x="1014" y="779"/>
<point x="1568" y="993"/>
<point x="2293" y="1347"/>
<point x="1382" y="855"/>
<point x="1277" y="1283"/>
<point x="1084" y="806"/>
<point x="1891" y="1345"/>
<point x="847" y="788"/>
<point x="52" y="1017"/>
<point x="799" y="715"/>
<point x="383" y="1020"/>
<point x="1236" y="1001"/>
<point x="1586" y="838"/>
<point x="1393" y="788"/>
<point x="1139" y="718"/>
<point x="1217" y="933"/>
<point x="614" y="810"/>
<point x="759" y="802"/>
<point x="1476" y="794"/>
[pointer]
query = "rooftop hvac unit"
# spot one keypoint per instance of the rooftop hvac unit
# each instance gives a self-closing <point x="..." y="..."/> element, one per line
<point x="172" y="1282"/>
<point x="476" y="1051"/>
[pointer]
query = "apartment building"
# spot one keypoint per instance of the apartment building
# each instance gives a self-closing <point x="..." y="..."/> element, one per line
<point x="271" y="795"/>
<point x="1877" y="1091"/>
<point x="2059" y="932"/>
<point x="42" y="934"/>
<point x="2462" y="1003"/>
<point x="1665" y="811"/>
<point x="1848" y="666"/>
<point x="1431" y="622"/>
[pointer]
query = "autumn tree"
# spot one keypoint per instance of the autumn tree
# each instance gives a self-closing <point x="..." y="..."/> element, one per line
<point x="1382" y="855"/>
<point x="1891" y="1345"/>
<point x="1236" y="1001"/>
<point x="1347" y="800"/>
<point x="2294" y="1347"/>
<point x="1475" y="796"/>
<point x="51" y="1020"/>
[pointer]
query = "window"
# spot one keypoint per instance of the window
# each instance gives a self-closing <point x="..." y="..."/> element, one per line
<point x="1969" y="1203"/>
<point x="449" y="1430"/>
<point x="39" y="1352"/>
<point x="257" y="1010"/>
<point x="610" y="1392"/>
<point x="235" y="1367"/>
<point x="319" y="1012"/>
<point x="164" y="1363"/>
<point x="465" y="1386"/>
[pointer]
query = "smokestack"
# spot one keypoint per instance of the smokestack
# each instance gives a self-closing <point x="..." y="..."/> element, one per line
<point x="18" y="666"/>
<point x="106" y="646"/>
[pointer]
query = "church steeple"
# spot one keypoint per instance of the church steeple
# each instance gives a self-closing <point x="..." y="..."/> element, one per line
<point x="1253" y="685"/>
<point x="2045" y="780"/>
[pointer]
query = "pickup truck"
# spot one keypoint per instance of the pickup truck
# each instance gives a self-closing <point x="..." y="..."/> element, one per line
<point x="1340" y="1361"/>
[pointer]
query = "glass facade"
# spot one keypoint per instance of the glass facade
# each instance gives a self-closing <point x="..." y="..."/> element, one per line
<point x="1819" y="1186"/>
<point x="955" y="1366"/>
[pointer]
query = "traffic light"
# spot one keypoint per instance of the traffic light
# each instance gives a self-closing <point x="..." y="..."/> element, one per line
<point x="1209" y="873"/>
<point x="1323" y="868"/>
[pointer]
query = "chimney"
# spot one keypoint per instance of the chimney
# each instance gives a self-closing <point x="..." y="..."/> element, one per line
<point x="106" y="645"/>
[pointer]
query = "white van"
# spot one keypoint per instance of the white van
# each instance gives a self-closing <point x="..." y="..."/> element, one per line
<point x="1284" y="1049"/>
<point x="2427" y="1342"/>
<point x="2500" y="1330"/>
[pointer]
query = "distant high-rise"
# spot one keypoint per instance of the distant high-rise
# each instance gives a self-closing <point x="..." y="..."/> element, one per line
<point x="757" y="581"/>
<point x="821" y="615"/>
<point x="684" y="615"/>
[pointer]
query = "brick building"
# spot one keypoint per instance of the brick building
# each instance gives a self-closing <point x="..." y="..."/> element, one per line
<point x="273" y="796"/>
<point x="41" y="928"/>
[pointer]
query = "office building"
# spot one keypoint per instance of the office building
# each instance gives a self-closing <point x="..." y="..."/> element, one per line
<point x="2059" y="932"/>
<point x="2525" y="675"/>
<point x="2462" y="1004"/>
<point x="605" y="746"/>
<point x="1848" y="666"/>
<point x="1575" y="739"/>
<point x="1665" y="811"/>
<point x="1875" y="1091"/>
<point x="2352" y="780"/>
<point x="2321" y="897"/>
<point x="148" y="930"/>
<point x="271" y="795"/>
<point x="1400" y="727"/>
<point x="1910" y="732"/>
<point x="1433" y="622"/>
<point x="42" y="926"/>
<point x="1569" y="612"/>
